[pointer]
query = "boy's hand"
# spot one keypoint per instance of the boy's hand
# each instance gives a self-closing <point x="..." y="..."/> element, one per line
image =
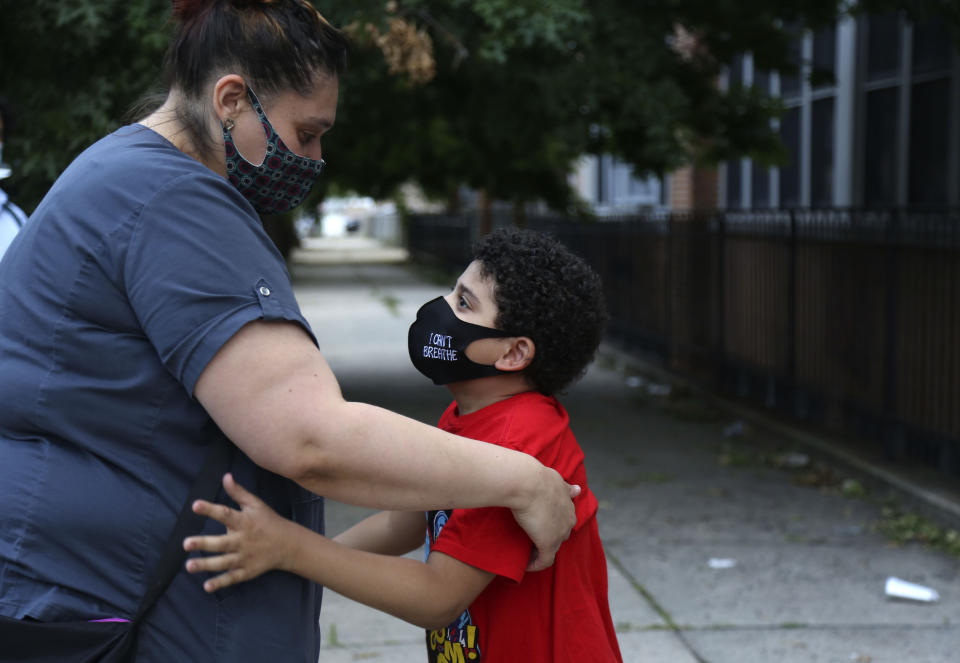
<point x="549" y="519"/>
<point x="257" y="539"/>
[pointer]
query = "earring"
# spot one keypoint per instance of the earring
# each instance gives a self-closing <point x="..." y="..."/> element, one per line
<point x="228" y="125"/>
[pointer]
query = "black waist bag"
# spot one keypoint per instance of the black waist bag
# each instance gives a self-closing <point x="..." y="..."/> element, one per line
<point x="24" y="640"/>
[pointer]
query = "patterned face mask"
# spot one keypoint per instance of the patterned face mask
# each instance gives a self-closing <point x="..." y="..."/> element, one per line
<point x="284" y="178"/>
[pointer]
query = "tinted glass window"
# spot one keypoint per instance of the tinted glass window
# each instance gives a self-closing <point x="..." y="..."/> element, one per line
<point x="789" y="80"/>
<point x="880" y="148"/>
<point x="824" y="56"/>
<point x="761" y="81"/>
<point x="733" y="184"/>
<point x="736" y="72"/>
<point x="821" y="153"/>
<point x="790" y="172"/>
<point x="760" y="186"/>
<point x="931" y="47"/>
<point x="883" y="46"/>
<point x="929" y="126"/>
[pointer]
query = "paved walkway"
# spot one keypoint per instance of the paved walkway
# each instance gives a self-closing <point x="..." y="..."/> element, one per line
<point x="719" y="549"/>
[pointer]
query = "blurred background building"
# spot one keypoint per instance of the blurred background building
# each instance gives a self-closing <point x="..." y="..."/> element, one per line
<point x="881" y="128"/>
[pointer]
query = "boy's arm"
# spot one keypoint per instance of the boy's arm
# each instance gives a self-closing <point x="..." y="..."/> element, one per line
<point x="386" y="533"/>
<point x="430" y="595"/>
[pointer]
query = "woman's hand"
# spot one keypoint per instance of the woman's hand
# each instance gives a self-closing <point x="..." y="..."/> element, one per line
<point x="549" y="518"/>
<point x="257" y="539"/>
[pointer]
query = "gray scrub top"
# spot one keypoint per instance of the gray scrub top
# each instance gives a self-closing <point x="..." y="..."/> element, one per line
<point x="139" y="264"/>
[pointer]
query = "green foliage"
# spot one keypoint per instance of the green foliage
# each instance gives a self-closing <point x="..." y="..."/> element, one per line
<point x="904" y="527"/>
<point x="72" y="68"/>
<point x="525" y="87"/>
<point x="496" y="117"/>
<point x="521" y="89"/>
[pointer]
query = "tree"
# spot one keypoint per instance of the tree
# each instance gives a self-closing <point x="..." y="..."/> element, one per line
<point x="499" y="95"/>
<point x="72" y="68"/>
<point x="495" y="115"/>
<point x="521" y="89"/>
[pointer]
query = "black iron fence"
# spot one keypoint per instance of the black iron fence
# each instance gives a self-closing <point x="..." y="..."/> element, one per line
<point x="844" y="317"/>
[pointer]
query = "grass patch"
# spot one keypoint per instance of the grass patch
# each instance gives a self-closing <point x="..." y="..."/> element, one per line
<point x="904" y="527"/>
<point x="392" y="303"/>
<point x="332" y="638"/>
<point x="732" y="455"/>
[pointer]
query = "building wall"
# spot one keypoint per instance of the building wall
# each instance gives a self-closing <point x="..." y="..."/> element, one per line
<point x="609" y="186"/>
<point x="883" y="127"/>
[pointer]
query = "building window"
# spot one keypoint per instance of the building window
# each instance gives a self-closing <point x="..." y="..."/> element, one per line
<point x="825" y="56"/>
<point x="790" y="172"/>
<point x="821" y="154"/>
<point x="790" y="80"/>
<point x="931" y="47"/>
<point x="733" y="184"/>
<point x="760" y="186"/>
<point x="929" y="128"/>
<point x="880" y="148"/>
<point x="761" y="81"/>
<point x="883" y="46"/>
<point x="735" y="76"/>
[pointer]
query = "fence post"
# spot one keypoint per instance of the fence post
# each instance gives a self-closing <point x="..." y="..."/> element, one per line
<point x="791" y="367"/>
<point x="720" y="355"/>
<point x="668" y="282"/>
<point x="893" y="440"/>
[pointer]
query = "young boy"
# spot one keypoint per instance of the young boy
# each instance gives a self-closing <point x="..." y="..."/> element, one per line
<point x="522" y="323"/>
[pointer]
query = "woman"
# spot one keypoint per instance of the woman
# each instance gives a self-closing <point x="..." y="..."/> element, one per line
<point x="143" y="299"/>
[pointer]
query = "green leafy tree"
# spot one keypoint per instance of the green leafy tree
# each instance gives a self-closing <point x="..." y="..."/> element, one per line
<point x="72" y="68"/>
<point x="500" y="95"/>
<point x="495" y="115"/>
<point x="523" y="88"/>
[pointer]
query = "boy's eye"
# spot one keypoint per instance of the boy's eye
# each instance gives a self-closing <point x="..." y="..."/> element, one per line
<point x="306" y="138"/>
<point x="462" y="301"/>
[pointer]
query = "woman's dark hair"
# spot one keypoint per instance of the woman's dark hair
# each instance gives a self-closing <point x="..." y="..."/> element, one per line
<point x="275" y="45"/>
<point x="544" y="291"/>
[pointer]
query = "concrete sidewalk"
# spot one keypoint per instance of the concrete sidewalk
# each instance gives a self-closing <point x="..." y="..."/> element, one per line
<point x="802" y="565"/>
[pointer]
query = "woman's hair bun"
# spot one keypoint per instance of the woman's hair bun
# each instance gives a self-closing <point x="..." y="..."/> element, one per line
<point x="185" y="10"/>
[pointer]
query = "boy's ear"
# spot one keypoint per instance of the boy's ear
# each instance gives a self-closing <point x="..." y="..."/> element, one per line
<point x="518" y="355"/>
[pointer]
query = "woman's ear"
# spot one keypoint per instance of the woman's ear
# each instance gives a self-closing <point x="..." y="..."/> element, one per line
<point x="229" y="96"/>
<point x="518" y="354"/>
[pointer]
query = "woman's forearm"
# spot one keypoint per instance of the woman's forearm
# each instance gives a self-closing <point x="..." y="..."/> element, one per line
<point x="274" y="395"/>
<point x="365" y="455"/>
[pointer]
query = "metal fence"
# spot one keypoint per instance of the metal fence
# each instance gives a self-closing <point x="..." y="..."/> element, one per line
<point x="844" y="317"/>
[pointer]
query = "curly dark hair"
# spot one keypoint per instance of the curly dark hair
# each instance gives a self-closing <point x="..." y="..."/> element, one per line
<point x="544" y="291"/>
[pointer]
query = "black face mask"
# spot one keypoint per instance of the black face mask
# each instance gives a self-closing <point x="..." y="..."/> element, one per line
<point x="438" y="341"/>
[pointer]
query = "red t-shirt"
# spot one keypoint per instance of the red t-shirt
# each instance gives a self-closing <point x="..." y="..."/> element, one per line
<point x="556" y="615"/>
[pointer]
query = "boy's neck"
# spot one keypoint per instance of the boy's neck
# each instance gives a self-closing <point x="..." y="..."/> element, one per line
<point x="473" y="395"/>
